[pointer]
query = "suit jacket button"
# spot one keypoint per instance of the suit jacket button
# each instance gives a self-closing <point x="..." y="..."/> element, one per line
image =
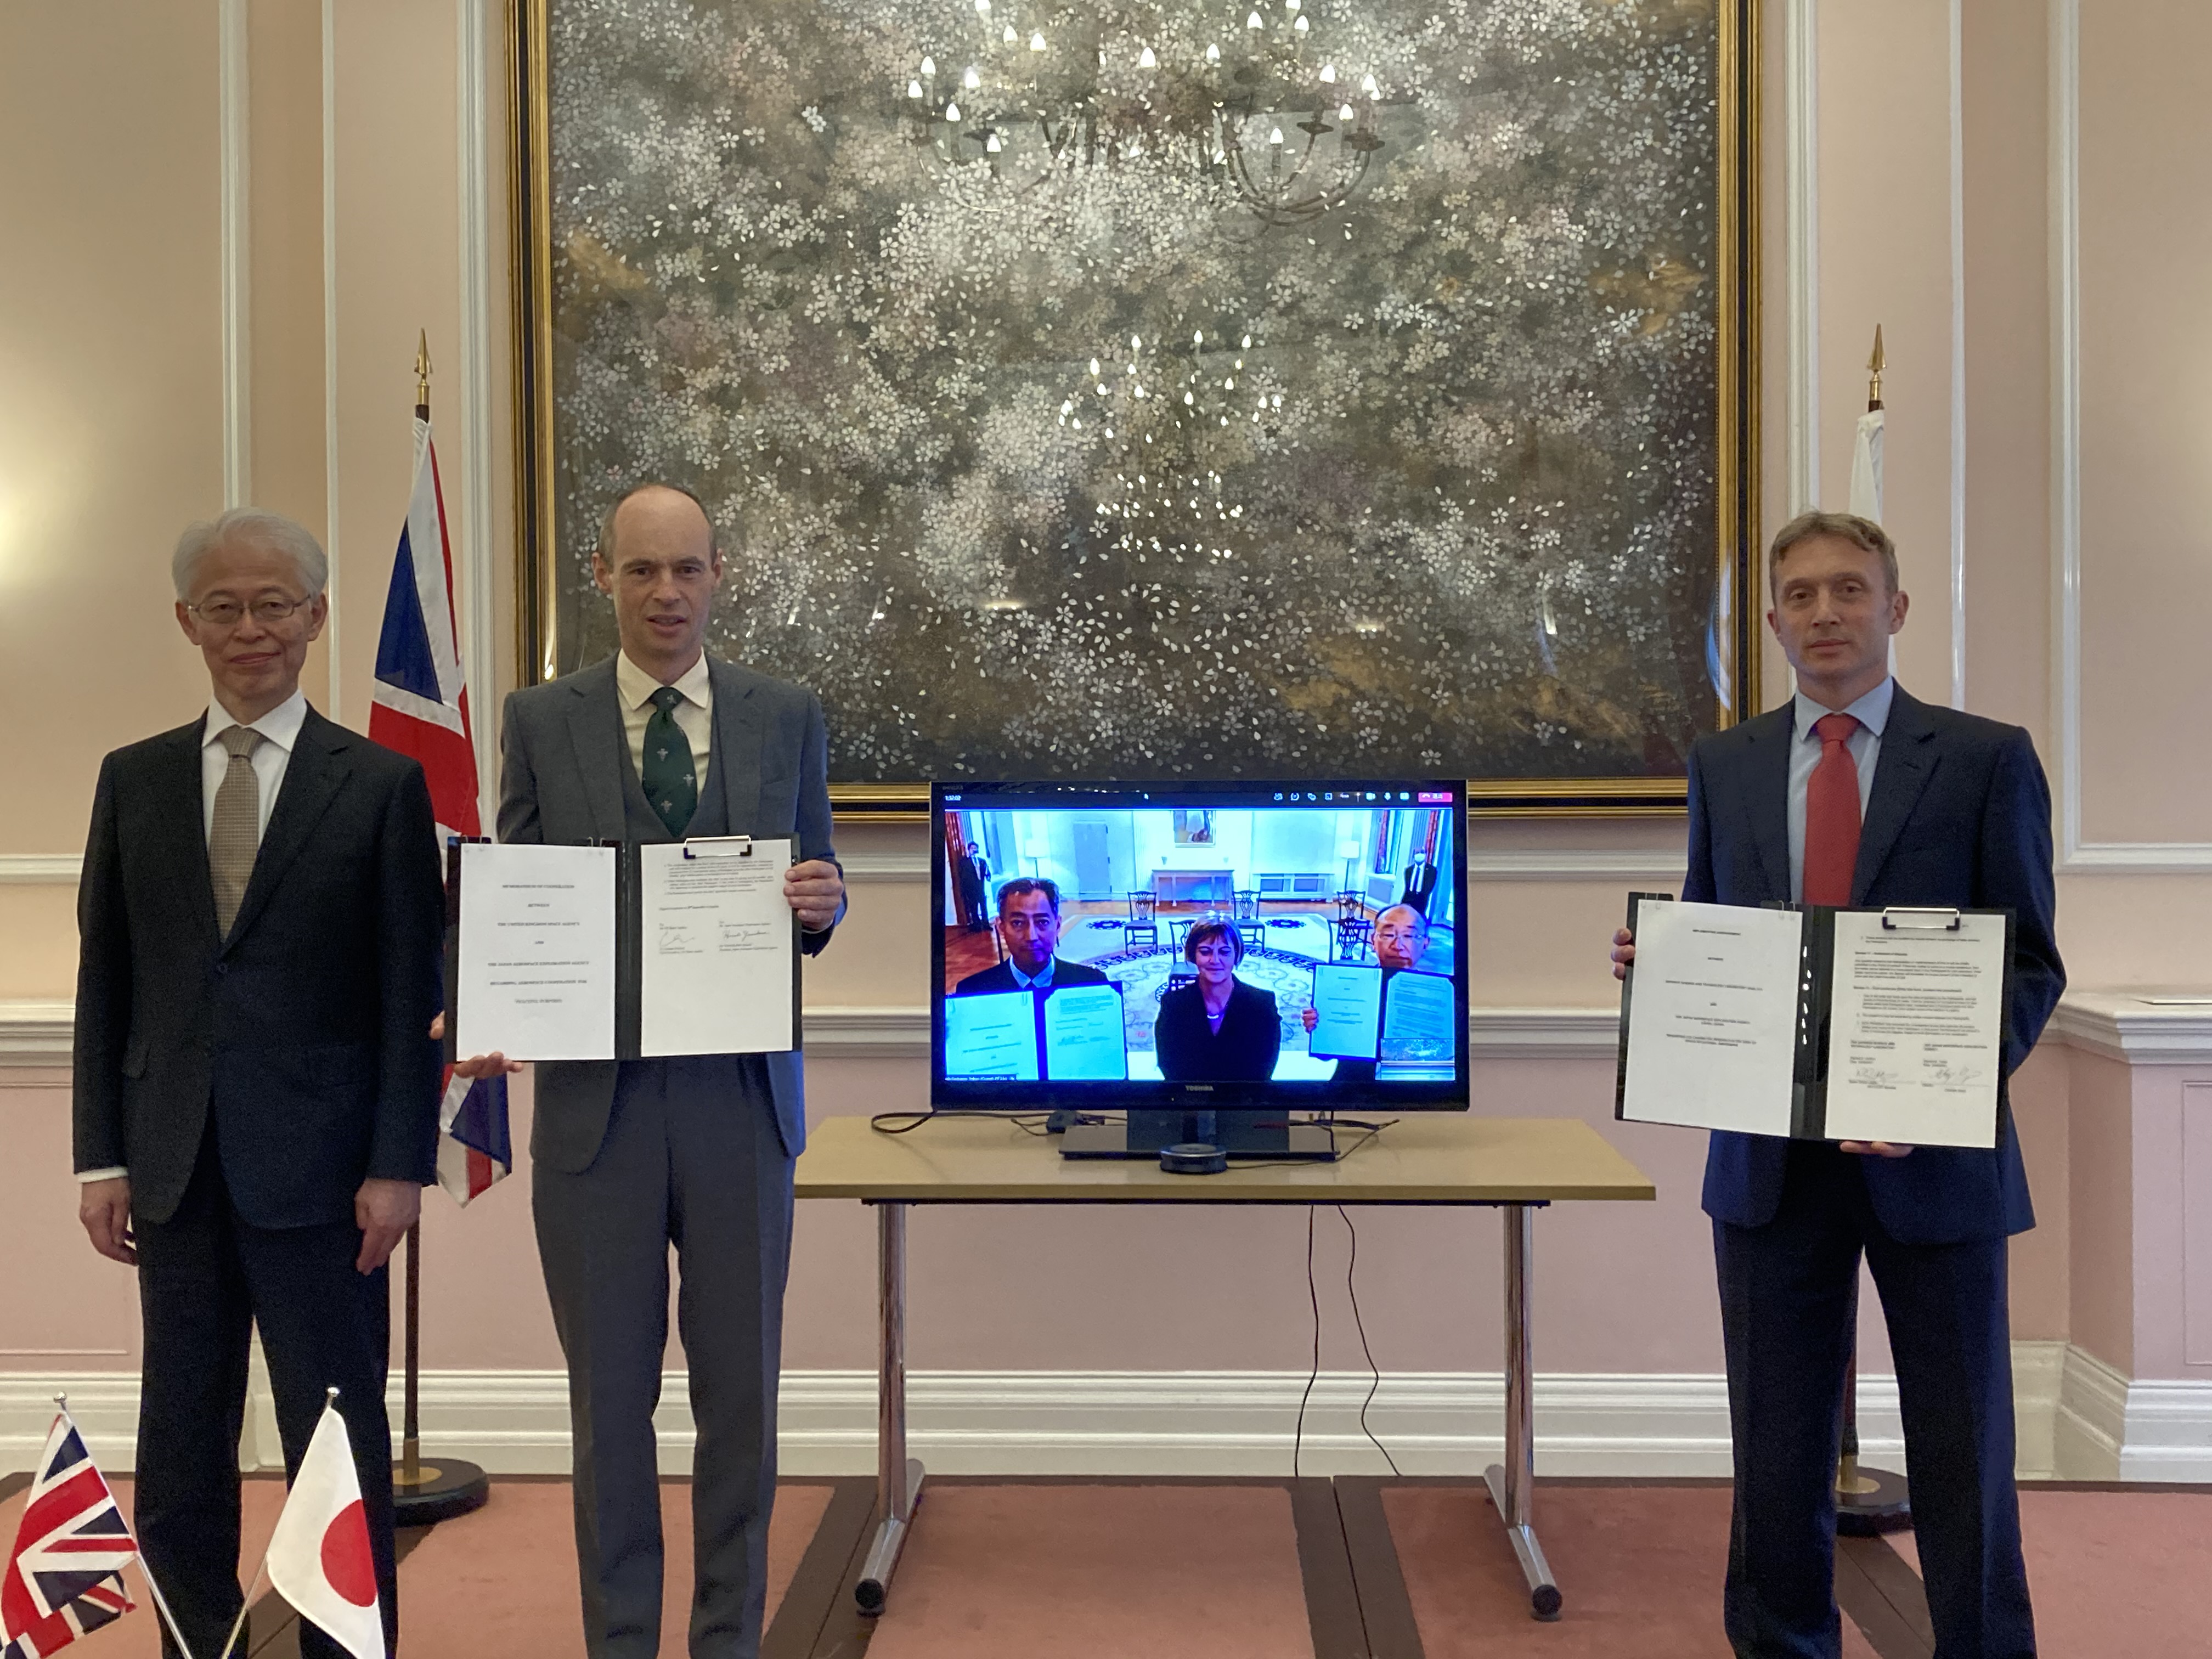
<point x="222" y="968"/>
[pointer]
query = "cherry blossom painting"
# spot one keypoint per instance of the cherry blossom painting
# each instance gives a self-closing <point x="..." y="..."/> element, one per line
<point x="1164" y="388"/>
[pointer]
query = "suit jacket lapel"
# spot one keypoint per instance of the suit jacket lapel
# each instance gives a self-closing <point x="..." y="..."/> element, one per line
<point x="312" y="777"/>
<point x="736" y="746"/>
<point x="595" y="731"/>
<point x="1906" y="762"/>
<point x="1768" y="796"/>
<point x="177" y="760"/>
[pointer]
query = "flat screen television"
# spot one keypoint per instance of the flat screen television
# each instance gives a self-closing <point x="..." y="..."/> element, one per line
<point x="1250" y="949"/>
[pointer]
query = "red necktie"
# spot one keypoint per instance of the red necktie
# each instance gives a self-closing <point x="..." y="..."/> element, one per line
<point x="1831" y="814"/>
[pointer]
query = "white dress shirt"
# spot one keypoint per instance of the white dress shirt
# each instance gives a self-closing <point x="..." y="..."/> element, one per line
<point x="1042" y="981"/>
<point x="280" y="729"/>
<point x="1864" y="746"/>
<point x="693" y="716"/>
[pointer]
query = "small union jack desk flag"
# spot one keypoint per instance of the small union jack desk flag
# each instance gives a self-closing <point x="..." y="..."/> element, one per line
<point x="64" y="1576"/>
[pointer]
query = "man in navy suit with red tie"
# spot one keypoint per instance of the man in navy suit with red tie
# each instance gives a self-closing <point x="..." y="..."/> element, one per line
<point x="1856" y="793"/>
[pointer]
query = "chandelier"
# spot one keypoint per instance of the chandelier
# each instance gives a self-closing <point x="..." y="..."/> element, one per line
<point x="1224" y="113"/>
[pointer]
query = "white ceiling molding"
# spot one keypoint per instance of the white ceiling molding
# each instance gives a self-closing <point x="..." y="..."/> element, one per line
<point x="2076" y="856"/>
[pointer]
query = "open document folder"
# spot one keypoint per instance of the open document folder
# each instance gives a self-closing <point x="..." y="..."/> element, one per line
<point x="622" y="953"/>
<point x="1818" y="1024"/>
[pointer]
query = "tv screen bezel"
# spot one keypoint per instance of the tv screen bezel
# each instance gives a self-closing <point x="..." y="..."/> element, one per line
<point x="1149" y="1094"/>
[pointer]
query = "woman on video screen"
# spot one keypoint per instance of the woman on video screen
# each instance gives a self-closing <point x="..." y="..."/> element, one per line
<point x="1216" y="1029"/>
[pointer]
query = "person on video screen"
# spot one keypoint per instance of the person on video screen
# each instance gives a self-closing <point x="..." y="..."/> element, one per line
<point x="1028" y="930"/>
<point x="1216" y="1028"/>
<point x="1401" y="939"/>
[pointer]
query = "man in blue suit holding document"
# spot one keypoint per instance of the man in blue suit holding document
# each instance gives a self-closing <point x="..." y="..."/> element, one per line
<point x="1856" y="793"/>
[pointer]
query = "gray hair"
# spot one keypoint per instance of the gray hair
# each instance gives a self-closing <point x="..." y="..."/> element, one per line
<point x="606" y="541"/>
<point x="1862" y="533"/>
<point x="250" y="524"/>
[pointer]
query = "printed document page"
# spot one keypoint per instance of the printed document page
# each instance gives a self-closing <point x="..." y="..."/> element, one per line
<point x="1347" y="999"/>
<point x="1419" y="1012"/>
<point x="717" y="949"/>
<point x="1712" y="1016"/>
<point x="1084" y="1033"/>
<point x="1916" y="1035"/>
<point x="537" y="971"/>
<point x="992" y="1035"/>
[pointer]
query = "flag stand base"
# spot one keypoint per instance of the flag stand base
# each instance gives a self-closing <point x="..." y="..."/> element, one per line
<point x="1873" y="1502"/>
<point x="443" y="1487"/>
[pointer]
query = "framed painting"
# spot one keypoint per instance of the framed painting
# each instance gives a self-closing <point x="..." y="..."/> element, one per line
<point x="1164" y="388"/>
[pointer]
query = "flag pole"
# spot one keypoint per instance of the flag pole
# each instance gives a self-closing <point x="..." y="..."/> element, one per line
<point x="424" y="1493"/>
<point x="1867" y="1501"/>
<point x="161" y="1606"/>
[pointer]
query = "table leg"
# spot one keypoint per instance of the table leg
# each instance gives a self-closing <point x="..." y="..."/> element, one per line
<point x="898" y="1478"/>
<point x="1511" y="1486"/>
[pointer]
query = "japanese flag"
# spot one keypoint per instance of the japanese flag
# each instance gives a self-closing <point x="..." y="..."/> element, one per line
<point x="320" y="1558"/>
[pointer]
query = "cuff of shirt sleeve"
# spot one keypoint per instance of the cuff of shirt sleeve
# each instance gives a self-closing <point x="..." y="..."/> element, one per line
<point x="85" y="1177"/>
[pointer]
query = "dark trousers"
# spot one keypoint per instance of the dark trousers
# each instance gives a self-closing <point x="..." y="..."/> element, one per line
<point x="1786" y="1302"/>
<point x="691" y="1159"/>
<point x="205" y="1279"/>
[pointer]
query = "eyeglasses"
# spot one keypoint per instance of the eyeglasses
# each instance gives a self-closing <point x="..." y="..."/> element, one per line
<point x="226" y="612"/>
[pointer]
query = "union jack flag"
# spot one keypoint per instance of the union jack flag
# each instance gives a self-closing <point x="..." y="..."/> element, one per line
<point x="64" y="1576"/>
<point x="420" y="706"/>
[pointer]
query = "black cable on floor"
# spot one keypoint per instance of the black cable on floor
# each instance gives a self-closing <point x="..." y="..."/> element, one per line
<point x="1374" y="1371"/>
<point x="1313" y="1295"/>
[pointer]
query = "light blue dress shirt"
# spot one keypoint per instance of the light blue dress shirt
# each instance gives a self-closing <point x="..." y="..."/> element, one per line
<point x="1042" y="982"/>
<point x="1872" y="713"/>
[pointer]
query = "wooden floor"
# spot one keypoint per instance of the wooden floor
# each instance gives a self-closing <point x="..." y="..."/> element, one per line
<point x="1000" y="1567"/>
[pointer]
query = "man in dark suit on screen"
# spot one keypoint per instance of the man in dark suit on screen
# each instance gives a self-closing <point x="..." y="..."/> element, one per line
<point x="1029" y="929"/>
<point x="628" y="1157"/>
<point x="255" y="1093"/>
<point x="1856" y="793"/>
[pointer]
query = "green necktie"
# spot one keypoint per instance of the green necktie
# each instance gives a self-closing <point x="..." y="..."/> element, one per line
<point x="670" y="783"/>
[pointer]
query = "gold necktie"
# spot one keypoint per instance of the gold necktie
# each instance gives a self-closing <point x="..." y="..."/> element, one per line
<point x="236" y="836"/>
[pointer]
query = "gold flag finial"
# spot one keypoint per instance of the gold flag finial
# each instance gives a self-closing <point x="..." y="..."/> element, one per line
<point x="1874" y="364"/>
<point x="422" y="371"/>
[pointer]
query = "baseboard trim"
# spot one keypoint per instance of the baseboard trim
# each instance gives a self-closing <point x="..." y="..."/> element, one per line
<point x="2078" y="1419"/>
<point x="1221" y="1423"/>
<point x="2109" y="1427"/>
